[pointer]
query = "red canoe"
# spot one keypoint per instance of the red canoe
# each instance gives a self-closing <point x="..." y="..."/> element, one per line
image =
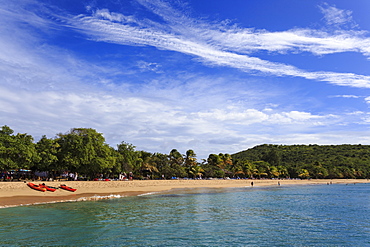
<point x="65" y="187"/>
<point x="48" y="188"/>
<point x="36" y="187"/>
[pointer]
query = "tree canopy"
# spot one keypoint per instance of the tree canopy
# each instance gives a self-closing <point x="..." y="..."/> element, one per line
<point x="85" y="151"/>
<point x="313" y="161"/>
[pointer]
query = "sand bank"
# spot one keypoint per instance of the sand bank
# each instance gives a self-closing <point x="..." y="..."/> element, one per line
<point x="18" y="193"/>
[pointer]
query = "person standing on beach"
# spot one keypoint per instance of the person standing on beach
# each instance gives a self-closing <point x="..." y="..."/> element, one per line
<point x="252" y="183"/>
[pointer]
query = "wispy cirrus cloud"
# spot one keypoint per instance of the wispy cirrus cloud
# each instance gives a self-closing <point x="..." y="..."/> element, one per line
<point x="222" y="45"/>
<point x="337" y="17"/>
<point x="252" y="116"/>
<point x="348" y="96"/>
<point x="248" y="40"/>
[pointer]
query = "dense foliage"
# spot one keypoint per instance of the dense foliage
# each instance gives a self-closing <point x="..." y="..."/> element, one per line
<point x="84" y="151"/>
<point x="310" y="161"/>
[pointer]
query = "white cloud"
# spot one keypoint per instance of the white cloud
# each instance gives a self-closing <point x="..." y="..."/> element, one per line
<point x="253" y="116"/>
<point x="221" y="45"/>
<point x="111" y="16"/>
<point x="147" y="66"/>
<point x="247" y="40"/>
<point x="224" y="46"/>
<point x="347" y="96"/>
<point x="46" y="89"/>
<point x="337" y="17"/>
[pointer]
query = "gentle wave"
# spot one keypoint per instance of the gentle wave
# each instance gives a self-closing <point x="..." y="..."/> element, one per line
<point x="148" y="194"/>
<point x="80" y="199"/>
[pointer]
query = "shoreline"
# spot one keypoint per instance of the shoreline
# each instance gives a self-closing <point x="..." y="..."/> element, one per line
<point x="13" y="194"/>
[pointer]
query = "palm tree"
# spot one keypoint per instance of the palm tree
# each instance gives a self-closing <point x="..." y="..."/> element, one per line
<point x="262" y="168"/>
<point x="148" y="168"/>
<point x="237" y="169"/>
<point x="196" y="171"/>
<point x="249" y="169"/>
<point x="274" y="172"/>
<point x="190" y="159"/>
<point x="226" y="161"/>
<point x="303" y="173"/>
<point x="283" y="172"/>
<point x="175" y="158"/>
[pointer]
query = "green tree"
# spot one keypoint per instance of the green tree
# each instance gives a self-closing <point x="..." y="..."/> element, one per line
<point x="16" y="151"/>
<point x="147" y="165"/>
<point x="283" y="172"/>
<point x="128" y="159"/>
<point x="47" y="149"/>
<point x="176" y="157"/>
<point x="190" y="159"/>
<point x="318" y="171"/>
<point x="214" y="165"/>
<point x="7" y="149"/>
<point x="84" y="150"/>
<point x="196" y="171"/>
<point x="303" y="173"/>
<point x="272" y="157"/>
<point x="249" y="169"/>
<point x="6" y="131"/>
<point x="163" y="165"/>
<point x="237" y="169"/>
<point x="215" y="160"/>
<point x="262" y="169"/>
<point x="176" y="161"/>
<point x="226" y="161"/>
<point x="274" y="172"/>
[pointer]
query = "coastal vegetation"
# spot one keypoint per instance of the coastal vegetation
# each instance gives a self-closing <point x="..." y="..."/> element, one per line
<point x="84" y="151"/>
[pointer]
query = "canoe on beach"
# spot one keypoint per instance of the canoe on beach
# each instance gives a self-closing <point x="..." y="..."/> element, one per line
<point x="36" y="187"/>
<point x="48" y="188"/>
<point x="65" y="187"/>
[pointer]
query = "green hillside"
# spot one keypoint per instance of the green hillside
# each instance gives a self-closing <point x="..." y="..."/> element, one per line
<point x="315" y="161"/>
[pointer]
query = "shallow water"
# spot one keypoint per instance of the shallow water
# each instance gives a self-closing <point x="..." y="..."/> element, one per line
<point x="310" y="215"/>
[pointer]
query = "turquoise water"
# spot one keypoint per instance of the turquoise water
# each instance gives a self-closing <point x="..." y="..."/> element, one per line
<point x="310" y="215"/>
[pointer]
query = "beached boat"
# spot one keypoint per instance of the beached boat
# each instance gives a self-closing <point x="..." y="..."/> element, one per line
<point x="65" y="187"/>
<point x="36" y="187"/>
<point x="48" y="188"/>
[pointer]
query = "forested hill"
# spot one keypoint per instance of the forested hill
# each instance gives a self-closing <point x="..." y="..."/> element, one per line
<point x="340" y="161"/>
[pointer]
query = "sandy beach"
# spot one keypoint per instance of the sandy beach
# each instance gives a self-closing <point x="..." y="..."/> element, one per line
<point x="18" y="193"/>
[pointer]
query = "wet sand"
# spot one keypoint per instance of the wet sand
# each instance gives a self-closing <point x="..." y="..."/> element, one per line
<point x="18" y="193"/>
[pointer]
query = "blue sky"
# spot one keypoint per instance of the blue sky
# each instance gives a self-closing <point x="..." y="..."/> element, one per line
<point x="212" y="76"/>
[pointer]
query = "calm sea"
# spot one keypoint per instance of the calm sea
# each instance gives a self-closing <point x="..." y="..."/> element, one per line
<point x="309" y="215"/>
